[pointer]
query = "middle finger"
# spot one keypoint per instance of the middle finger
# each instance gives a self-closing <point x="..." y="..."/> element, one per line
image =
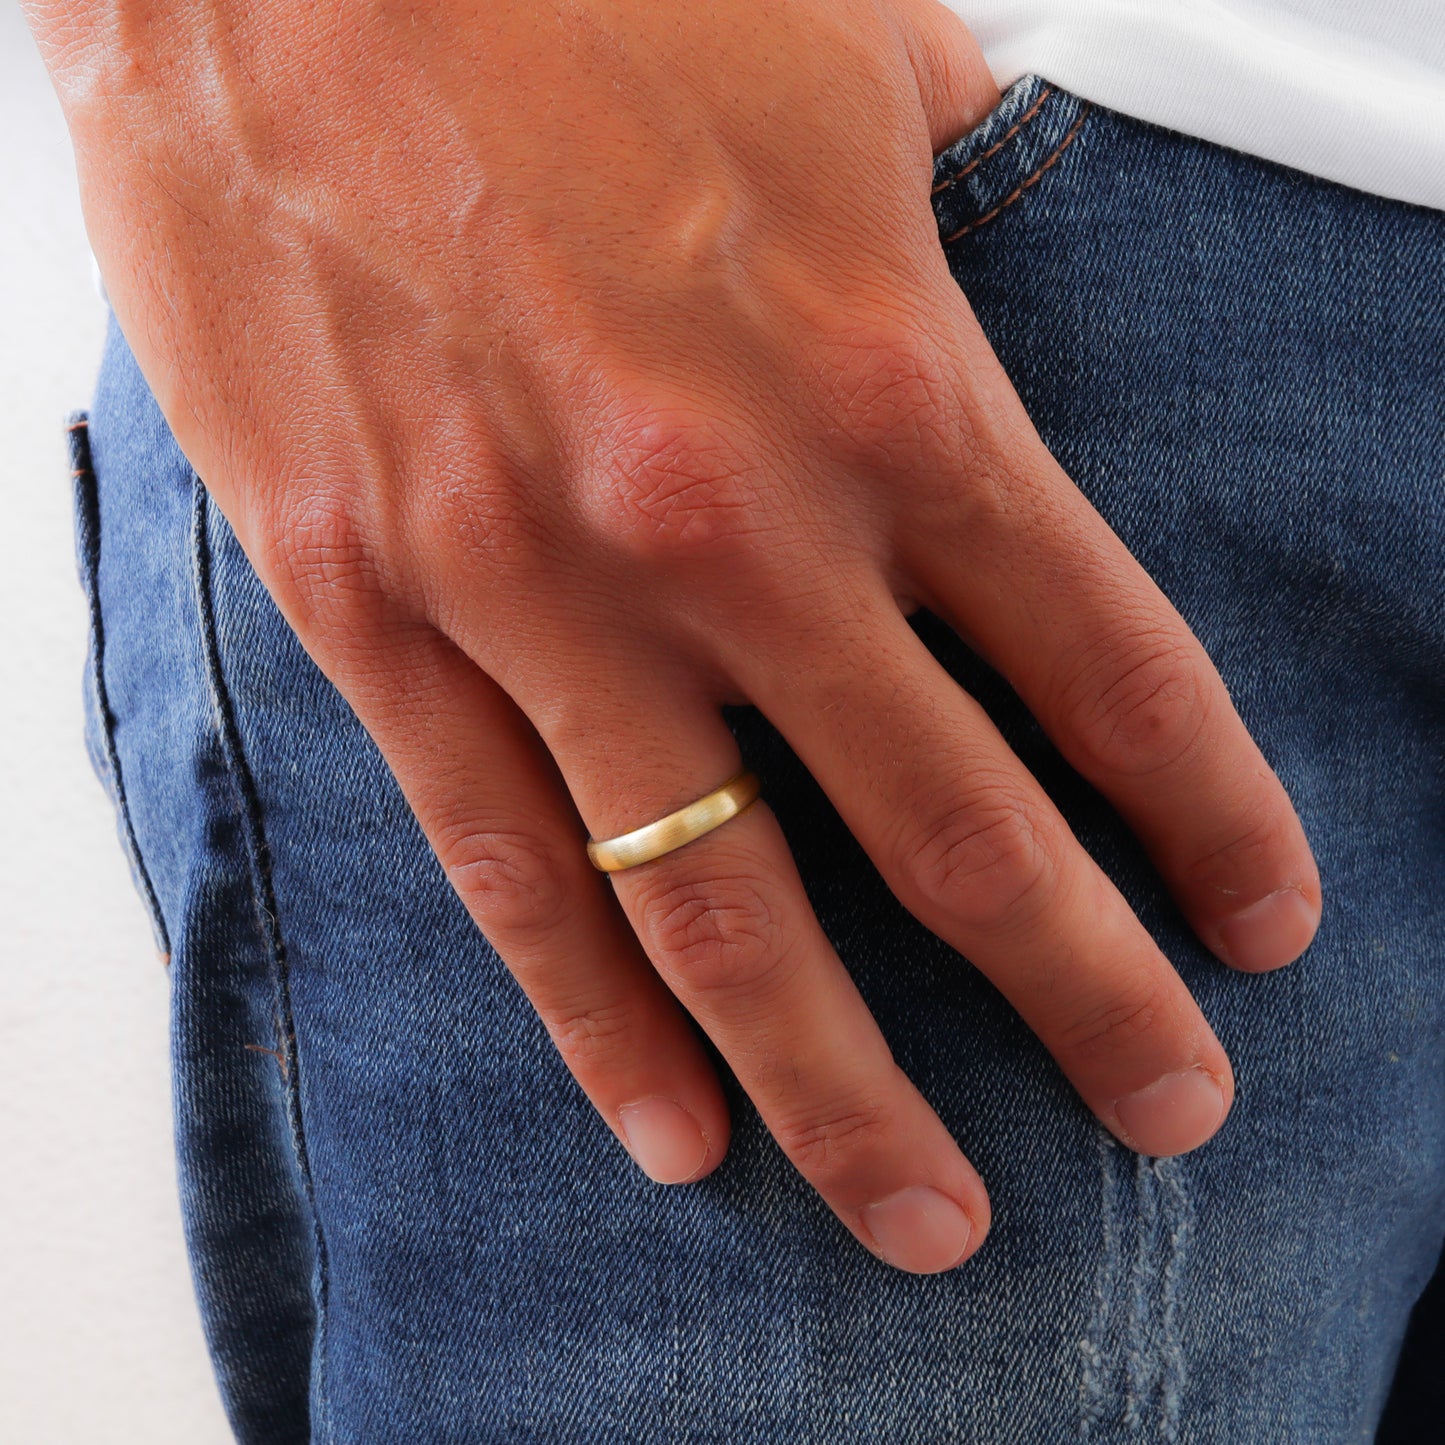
<point x="972" y="845"/>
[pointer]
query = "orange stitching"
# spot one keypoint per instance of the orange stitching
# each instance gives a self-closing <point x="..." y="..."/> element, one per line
<point x="255" y="1048"/>
<point x="78" y="426"/>
<point x="1004" y="204"/>
<point x="977" y="161"/>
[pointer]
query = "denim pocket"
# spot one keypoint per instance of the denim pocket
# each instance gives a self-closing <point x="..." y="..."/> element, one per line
<point x="1006" y="157"/>
<point x="99" y="721"/>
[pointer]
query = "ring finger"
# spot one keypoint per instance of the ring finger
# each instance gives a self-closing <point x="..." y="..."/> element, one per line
<point x="972" y="845"/>
<point x="726" y="923"/>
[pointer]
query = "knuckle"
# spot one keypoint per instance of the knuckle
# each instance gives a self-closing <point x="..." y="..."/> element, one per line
<point x="714" y="935"/>
<point x="326" y="570"/>
<point x="829" y="1143"/>
<point x="668" y="485"/>
<point x="1140" y="706"/>
<point x="986" y="864"/>
<point x="593" y="1038"/>
<point x="1109" y="1026"/>
<point x="1256" y="846"/>
<point x="511" y="883"/>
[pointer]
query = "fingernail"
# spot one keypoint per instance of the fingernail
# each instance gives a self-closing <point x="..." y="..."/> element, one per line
<point x="1270" y="933"/>
<point x="919" y="1229"/>
<point x="1172" y="1115"/>
<point x="663" y="1139"/>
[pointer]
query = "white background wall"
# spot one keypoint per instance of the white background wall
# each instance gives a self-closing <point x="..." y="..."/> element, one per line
<point x="100" y="1343"/>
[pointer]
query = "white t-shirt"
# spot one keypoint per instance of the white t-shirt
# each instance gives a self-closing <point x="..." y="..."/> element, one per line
<point x="1352" y="90"/>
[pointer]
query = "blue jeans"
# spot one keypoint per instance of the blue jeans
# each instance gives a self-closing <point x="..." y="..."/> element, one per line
<point x="406" y="1222"/>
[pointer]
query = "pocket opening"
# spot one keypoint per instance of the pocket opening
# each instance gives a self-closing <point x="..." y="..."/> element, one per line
<point x="983" y="173"/>
<point x="99" y="720"/>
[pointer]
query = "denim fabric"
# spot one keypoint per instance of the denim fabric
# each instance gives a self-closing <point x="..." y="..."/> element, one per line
<point x="406" y="1222"/>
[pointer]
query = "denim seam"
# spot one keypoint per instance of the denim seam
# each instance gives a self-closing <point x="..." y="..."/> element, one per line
<point x="1032" y="180"/>
<point x="999" y="144"/>
<point x="83" y="480"/>
<point x="1172" y="1172"/>
<point x="1133" y="1330"/>
<point x="1141" y="1364"/>
<point x="1095" y="1362"/>
<point x="264" y="899"/>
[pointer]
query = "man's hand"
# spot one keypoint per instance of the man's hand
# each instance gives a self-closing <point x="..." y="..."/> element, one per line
<point x="525" y="347"/>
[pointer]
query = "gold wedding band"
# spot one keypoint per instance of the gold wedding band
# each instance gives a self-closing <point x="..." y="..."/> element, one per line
<point x="642" y="845"/>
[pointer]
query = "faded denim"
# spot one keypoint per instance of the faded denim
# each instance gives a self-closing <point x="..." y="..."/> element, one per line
<point x="407" y="1224"/>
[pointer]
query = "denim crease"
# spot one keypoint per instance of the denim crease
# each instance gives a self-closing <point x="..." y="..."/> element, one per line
<point x="405" y="1221"/>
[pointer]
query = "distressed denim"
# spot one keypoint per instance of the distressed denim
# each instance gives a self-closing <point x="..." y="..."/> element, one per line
<point x="405" y="1220"/>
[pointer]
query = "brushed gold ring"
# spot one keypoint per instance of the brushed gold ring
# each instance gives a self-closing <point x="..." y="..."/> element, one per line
<point x="653" y="840"/>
